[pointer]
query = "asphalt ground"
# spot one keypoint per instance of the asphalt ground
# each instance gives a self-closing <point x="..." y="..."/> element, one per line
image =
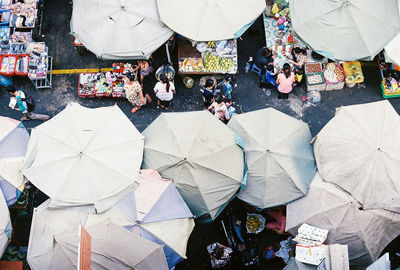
<point x="248" y="96"/>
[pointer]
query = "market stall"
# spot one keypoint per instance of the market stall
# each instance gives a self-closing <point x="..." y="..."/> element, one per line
<point x="390" y="78"/>
<point x="104" y="84"/>
<point x="20" y="55"/>
<point x="353" y="72"/>
<point x="211" y="57"/>
<point x="277" y="35"/>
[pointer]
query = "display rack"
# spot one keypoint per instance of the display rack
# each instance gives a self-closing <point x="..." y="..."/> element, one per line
<point x="47" y="82"/>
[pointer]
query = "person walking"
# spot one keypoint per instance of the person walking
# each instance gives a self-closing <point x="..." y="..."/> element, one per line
<point x="134" y="93"/>
<point x="26" y="108"/>
<point x="164" y="91"/>
<point x="285" y="82"/>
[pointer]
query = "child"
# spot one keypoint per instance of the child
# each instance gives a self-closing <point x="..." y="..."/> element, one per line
<point x="299" y="77"/>
<point x="226" y="88"/>
<point x="270" y="76"/>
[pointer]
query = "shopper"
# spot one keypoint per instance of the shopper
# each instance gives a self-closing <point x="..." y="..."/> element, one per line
<point x="164" y="91"/>
<point x="208" y="92"/>
<point x="285" y="82"/>
<point x="144" y="70"/>
<point x="220" y="110"/>
<point x="25" y="105"/>
<point x="226" y="88"/>
<point x="134" y="93"/>
<point x="269" y="76"/>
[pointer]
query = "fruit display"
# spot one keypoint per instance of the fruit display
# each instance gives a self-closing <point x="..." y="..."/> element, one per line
<point x="313" y="68"/>
<point x="211" y="44"/>
<point x="226" y="64"/>
<point x="191" y="64"/>
<point x="315" y="79"/>
<point x="333" y="73"/>
<point x="255" y="223"/>
<point x="354" y="74"/>
<point x="215" y="63"/>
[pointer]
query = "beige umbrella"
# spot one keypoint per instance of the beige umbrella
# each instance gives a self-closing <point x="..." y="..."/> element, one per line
<point x="366" y="232"/>
<point x="279" y="157"/>
<point x="5" y="225"/>
<point x="53" y="241"/>
<point x="85" y="156"/>
<point x="199" y="153"/>
<point x="359" y="150"/>
<point x="209" y="20"/>
<point x="113" y="247"/>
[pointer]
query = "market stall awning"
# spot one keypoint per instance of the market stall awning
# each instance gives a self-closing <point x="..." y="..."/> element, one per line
<point x="365" y="232"/>
<point x="200" y="154"/>
<point x="5" y="225"/>
<point x="157" y="212"/>
<point x="392" y="51"/>
<point x="346" y="29"/>
<point x="85" y="156"/>
<point x="13" y="143"/>
<point x="119" y="29"/>
<point x="359" y="151"/>
<point x="279" y="157"/>
<point x="209" y="20"/>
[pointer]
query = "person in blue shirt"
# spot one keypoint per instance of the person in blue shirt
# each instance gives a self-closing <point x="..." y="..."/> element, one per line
<point x="226" y="88"/>
<point x="23" y="107"/>
<point x="269" y="76"/>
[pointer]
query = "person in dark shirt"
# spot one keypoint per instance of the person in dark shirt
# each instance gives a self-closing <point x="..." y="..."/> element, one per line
<point x="263" y="58"/>
<point x="208" y="92"/>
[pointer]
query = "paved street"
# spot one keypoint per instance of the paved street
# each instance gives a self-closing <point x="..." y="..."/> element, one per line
<point x="248" y="96"/>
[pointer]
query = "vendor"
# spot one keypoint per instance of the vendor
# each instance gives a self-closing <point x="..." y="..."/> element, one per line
<point x="263" y="58"/>
<point x="278" y="215"/>
<point x="300" y="57"/>
<point x="285" y="82"/>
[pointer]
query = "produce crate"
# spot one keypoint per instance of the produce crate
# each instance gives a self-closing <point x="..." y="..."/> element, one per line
<point x="10" y="72"/>
<point x="335" y="85"/>
<point x="348" y="71"/>
<point x="310" y="68"/>
<point x="317" y="86"/>
<point x="387" y="94"/>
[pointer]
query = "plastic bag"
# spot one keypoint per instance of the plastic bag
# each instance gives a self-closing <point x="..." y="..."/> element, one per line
<point x="275" y="8"/>
<point x="188" y="82"/>
<point x="314" y="96"/>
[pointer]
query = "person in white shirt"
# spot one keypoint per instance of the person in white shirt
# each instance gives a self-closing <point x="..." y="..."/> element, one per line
<point x="164" y="91"/>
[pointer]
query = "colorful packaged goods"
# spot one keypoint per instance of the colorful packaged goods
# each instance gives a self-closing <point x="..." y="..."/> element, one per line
<point x="21" y="67"/>
<point x="8" y="65"/>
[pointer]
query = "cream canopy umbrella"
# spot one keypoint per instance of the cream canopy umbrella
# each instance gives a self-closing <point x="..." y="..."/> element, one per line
<point x="5" y="225"/>
<point x="13" y="143"/>
<point x="392" y="51"/>
<point x="359" y="151"/>
<point x="209" y="20"/>
<point x="155" y="211"/>
<point x="279" y="157"/>
<point x="346" y="29"/>
<point x="200" y="154"/>
<point x="119" y="29"/>
<point x="85" y="156"/>
<point x="366" y="232"/>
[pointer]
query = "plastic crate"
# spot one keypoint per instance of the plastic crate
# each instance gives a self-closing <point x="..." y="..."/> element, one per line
<point x="319" y="86"/>
<point x="6" y="22"/>
<point x="16" y="65"/>
<point x="9" y="72"/>
<point x="84" y="95"/>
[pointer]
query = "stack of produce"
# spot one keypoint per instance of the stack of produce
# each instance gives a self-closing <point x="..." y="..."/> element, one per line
<point x="315" y="79"/>
<point x="356" y="74"/>
<point x="255" y="223"/>
<point x="313" y="68"/>
<point x="191" y="64"/>
<point x="333" y="73"/>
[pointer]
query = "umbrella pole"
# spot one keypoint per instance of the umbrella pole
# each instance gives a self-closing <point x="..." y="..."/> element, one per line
<point x="167" y="50"/>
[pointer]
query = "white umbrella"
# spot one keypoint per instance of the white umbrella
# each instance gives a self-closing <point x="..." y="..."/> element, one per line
<point x="366" y="232"/>
<point x="85" y="156"/>
<point x="279" y="157"/>
<point x="392" y="51"/>
<point x="359" y="150"/>
<point x="200" y="154"/>
<point x="119" y="29"/>
<point x="209" y="20"/>
<point x="5" y="225"/>
<point x="346" y="29"/>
